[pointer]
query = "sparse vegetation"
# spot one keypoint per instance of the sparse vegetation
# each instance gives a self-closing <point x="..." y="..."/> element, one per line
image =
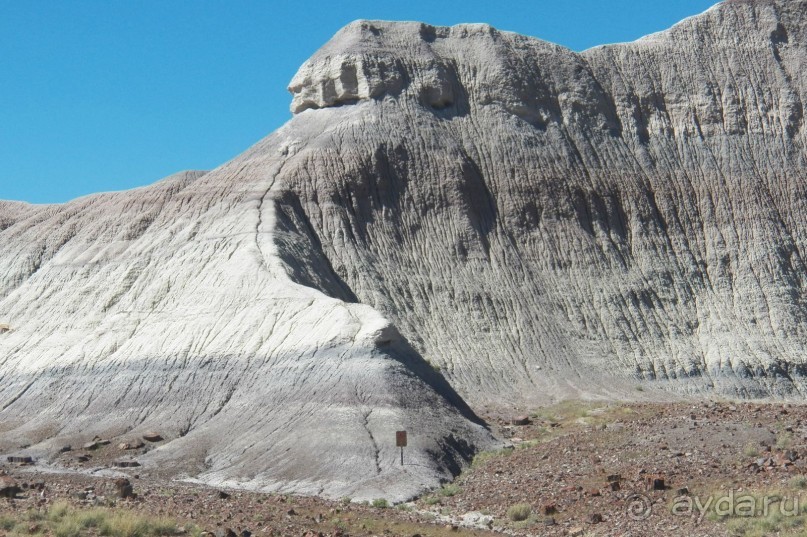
<point x="775" y="519"/>
<point x="449" y="490"/>
<point x="62" y="520"/>
<point x="576" y="413"/>
<point x="7" y="523"/>
<point x="519" y="473"/>
<point x="380" y="503"/>
<point x="519" y="512"/>
<point x="484" y="456"/>
<point x="798" y="482"/>
<point x="784" y="441"/>
<point x="751" y="451"/>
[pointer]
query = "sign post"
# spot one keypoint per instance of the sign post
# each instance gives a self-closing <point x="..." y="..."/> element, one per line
<point x="400" y="441"/>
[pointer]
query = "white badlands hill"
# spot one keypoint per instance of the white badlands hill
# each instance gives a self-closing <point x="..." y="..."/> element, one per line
<point x="537" y="223"/>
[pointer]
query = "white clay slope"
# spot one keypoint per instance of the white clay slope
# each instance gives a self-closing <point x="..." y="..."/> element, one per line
<point x="537" y="223"/>
<point x="167" y="308"/>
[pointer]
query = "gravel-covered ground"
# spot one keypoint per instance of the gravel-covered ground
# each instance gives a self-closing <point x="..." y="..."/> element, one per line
<point x="574" y="469"/>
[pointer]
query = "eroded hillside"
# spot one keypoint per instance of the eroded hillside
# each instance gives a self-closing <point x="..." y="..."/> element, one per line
<point x="452" y="214"/>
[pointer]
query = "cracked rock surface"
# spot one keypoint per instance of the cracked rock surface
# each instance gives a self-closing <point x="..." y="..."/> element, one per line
<point x="533" y="222"/>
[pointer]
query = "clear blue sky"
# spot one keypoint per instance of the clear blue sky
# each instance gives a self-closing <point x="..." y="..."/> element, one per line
<point x="111" y="94"/>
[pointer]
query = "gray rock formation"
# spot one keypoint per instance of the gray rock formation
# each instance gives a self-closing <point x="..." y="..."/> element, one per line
<point x="537" y="223"/>
<point x="169" y="308"/>
<point x="543" y="223"/>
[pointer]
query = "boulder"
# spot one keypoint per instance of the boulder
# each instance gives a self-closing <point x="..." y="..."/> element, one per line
<point x="8" y="487"/>
<point x="152" y="437"/>
<point x="123" y="488"/>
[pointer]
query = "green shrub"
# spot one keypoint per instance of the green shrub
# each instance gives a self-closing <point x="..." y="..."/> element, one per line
<point x="381" y="503"/>
<point x="484" y="456"/>
<point x="751" y="451"/>
<point x="519" y="512"/>
<point x="799" y="482"/>
<point x="784" y="441"/>
<point x="7" y="523"/>
<point x="62" y="520"/>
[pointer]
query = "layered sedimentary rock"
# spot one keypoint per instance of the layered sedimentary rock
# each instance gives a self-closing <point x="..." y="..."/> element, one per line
<point x="540" y="222"/>
<point x="169" y="308"/>
<point x="451" y="214"/>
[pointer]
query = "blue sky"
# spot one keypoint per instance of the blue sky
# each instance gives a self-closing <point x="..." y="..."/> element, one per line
<point x="108" y="94"/>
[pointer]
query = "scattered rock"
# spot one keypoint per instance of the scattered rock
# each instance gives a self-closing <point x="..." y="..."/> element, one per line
<point x="152" y="436"/>
<point x="477" y="520"/>
<point x="8" y="487"/>
<point x="125" y="464"/>
<point x="34" y="485"/>
<point x="520" y="420"/>
<point x="123" y="488"/>
<point x="655" y="483"/>
<point x="20" y="460"/>
<point x="594" y="518"/>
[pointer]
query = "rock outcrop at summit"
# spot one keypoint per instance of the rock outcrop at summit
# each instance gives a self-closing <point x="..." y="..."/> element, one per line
<point x="543" y="223"/>
<point x="533" y="222"/>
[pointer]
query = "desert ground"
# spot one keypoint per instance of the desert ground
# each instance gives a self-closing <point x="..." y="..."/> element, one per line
<point x="576" y="468"/>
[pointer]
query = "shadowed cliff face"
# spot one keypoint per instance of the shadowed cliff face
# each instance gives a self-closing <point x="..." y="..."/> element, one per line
<point x="536" y="223"/>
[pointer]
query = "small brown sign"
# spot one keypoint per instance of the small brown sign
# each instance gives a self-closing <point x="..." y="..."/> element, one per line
<point x="400" y="438"/>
